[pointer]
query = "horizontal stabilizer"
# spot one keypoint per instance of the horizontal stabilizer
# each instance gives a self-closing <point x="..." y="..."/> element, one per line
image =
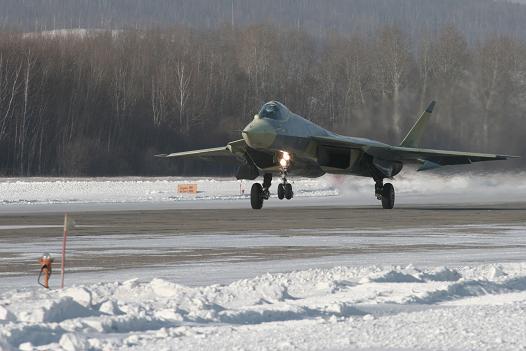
<point x="427" y="165"/>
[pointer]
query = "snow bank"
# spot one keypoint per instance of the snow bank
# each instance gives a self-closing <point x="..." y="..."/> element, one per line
<point x="339" y="308"/>
<point x="412" y="187"/>
<point x="124" y="190"/>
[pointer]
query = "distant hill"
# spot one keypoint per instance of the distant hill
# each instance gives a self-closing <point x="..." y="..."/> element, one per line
<point x="475" y="18"/>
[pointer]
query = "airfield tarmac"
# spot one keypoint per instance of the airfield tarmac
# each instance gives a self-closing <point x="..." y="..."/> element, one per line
<point x="219" y="244"/>
<point x="104" y="219"/>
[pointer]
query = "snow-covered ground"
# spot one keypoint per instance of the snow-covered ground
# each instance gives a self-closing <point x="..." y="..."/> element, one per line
<point x="43" y="194"/>
<point x="385" y="289"/>
<point x="340" y="289"/>
<point x="80" y="33"/>
<point x="362" y="307"/>
<point x="27" y="191"/>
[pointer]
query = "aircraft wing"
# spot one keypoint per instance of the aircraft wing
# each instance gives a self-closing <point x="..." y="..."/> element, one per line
<point x="431" y="158"/>
<point x="428" y="158"/>
<point x="434" y="158"/>
<point x="230" y="150"/>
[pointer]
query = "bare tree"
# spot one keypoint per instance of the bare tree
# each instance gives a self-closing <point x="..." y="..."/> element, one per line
<point x="182" y="93"/>
<point x="394" y="60"/>
<point x="496" y="62"/>
<point x="9" y="84"/>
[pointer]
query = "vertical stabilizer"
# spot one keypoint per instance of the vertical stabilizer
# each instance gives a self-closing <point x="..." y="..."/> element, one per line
<point x="412" y="139"/>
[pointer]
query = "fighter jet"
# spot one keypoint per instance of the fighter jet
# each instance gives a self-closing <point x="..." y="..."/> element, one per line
<point x="278" y="142"/>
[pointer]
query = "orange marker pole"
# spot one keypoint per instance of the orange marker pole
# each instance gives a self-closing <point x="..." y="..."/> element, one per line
<point x="64" y="251"/>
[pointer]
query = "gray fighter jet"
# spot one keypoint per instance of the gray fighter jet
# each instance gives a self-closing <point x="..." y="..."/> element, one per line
<point x="280" y="142"/>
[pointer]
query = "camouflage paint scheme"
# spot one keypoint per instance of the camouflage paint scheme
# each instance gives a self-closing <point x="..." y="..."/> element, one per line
<point x="315" y="151"/>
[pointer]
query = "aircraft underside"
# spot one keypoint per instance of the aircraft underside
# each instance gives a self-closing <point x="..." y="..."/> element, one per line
<point x="325" y="159"/>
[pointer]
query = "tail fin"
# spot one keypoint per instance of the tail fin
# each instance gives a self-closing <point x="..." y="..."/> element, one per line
<point x="412" y="139"/>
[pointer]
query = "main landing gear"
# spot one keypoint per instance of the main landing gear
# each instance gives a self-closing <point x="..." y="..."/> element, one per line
<point x="385" y="193"/>
<point x="260" y="192"/>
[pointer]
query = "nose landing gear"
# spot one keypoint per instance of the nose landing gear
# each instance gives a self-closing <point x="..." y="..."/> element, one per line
<point x="281" y="191"/>
<point x="285" y="188"/>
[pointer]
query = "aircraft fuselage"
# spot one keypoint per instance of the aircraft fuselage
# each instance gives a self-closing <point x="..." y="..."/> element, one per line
<point x="294" y="134"/>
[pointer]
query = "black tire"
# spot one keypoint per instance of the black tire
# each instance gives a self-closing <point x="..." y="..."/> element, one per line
<point x="256" y="196"/>
<point x="288" y="191"/>
<point x="388" y="196"/>
<point x="281" y="191"/>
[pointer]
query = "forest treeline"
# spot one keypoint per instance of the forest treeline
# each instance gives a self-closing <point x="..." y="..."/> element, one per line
<point x="104" y="102"/>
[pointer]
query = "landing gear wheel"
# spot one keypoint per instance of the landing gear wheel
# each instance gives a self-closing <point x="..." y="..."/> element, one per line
<point x="388" y="196"/>
<point x="281" y="191"/>
<point x="256" y="196"/>
<point x="288" y="191"/>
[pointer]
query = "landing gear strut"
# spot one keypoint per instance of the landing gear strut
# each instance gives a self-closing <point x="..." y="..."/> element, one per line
<point x="259" y="192"/>
<point x="285" y="188"/>
<point x="385" y="193"/>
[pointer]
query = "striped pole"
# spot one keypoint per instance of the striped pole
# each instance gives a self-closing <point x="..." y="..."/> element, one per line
<point x="64" y="251"/>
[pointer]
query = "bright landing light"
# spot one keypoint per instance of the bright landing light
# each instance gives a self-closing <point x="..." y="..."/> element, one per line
<point x="285" y="159"/>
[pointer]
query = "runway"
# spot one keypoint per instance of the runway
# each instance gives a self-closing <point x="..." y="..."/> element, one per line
<point x="240" y="218"/>
<point x="187" y="244"/>
<point x="185" y="272"/>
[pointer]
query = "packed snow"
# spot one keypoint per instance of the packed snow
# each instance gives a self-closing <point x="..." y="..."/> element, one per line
<point x="360" y="307"/>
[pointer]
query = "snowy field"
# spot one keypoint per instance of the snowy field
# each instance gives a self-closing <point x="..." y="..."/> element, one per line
<point x="450" y="287"/>
<point x="389" y="290"/>
<point x="17" y="191"/>
<point x="37" y="194"/>
<point x="364" y="307"/>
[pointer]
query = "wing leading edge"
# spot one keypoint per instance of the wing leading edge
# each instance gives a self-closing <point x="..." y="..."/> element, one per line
<point x="229" y="150"/>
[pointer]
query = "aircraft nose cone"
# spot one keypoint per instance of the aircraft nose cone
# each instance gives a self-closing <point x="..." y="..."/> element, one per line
<point x="259" y="134"/>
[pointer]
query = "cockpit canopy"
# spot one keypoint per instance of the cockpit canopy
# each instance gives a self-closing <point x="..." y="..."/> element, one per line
<point x="271" y="110"/>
